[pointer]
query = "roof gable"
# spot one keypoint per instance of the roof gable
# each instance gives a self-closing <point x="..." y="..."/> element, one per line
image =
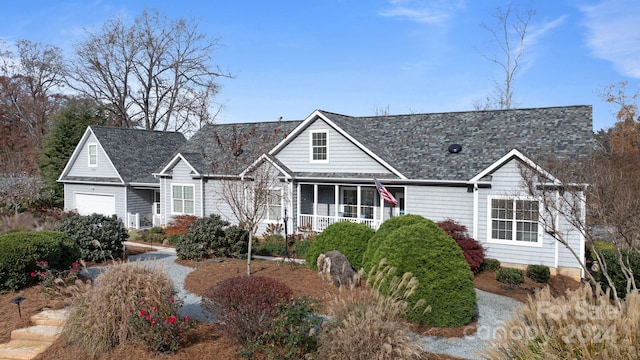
<point x="137" y="153"/>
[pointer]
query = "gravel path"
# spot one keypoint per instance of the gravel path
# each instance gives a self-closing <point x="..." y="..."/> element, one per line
<point x="493" y="309"/>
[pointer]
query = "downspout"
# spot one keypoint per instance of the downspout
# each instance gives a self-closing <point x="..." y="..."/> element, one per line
<point x="202" y="197"/>
<point x="126" y="208"/>
<point x="475" y="211"/>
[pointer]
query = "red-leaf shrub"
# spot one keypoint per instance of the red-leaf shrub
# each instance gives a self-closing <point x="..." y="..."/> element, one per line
<point x="179" y="224"/>
<point x="473" y="251"/>
<point x="246" y="305"/>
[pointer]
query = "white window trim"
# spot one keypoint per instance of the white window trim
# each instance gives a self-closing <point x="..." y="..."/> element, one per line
<point x="173" y="212"/>
<point x="515" y="242"/>
<point x="268" y="205"/>
<point x="326" y="132"/>
<point x="89" y="146"/>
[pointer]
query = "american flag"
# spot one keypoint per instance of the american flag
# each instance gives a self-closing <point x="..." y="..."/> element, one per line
<point x="386" y="195"/>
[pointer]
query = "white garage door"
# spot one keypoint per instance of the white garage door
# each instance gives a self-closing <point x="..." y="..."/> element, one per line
<point x="87" y="204"/>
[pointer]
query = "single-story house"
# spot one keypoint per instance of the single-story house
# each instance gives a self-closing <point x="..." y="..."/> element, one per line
<point x="457" y="165"/>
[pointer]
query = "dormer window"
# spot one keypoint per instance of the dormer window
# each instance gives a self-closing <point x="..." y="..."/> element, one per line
<point x="320" y="146"/>
<point x="93" y="155"/>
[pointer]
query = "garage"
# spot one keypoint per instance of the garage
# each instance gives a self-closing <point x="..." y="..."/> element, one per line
<point x="87" y="204"/>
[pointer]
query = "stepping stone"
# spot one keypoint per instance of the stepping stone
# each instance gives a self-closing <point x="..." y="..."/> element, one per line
<point x="22" y="349"/>
<point x="51" y="317"/>
<point x="48" y="333"/>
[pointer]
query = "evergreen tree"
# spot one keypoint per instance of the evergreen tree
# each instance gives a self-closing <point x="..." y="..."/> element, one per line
<point x="69" y="123"/>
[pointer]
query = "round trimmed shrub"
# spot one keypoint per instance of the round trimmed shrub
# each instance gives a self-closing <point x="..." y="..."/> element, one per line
<point x="490" y="265"/>
<point x="246" y="305"/>
<point x="20" y="250"/>
<point x="445" y="280"/>
<point x="347" y="237"/>
<point x="386" y="228"/>
<point x="538" y="273"/>
<point x="510" y="276"/>
<point x="99" y="237"/>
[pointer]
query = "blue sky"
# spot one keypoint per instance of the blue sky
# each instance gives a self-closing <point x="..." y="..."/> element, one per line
<point x="289" y="58"/>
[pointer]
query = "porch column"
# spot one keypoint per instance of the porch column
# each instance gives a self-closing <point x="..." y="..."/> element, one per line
<point x="359" y="203"/>
<point x="298" y="196"/>
<point x="336" y="195"/>
<point x="315" y="206"/>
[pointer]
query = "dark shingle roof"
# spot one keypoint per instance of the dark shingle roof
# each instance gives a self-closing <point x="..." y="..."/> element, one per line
<point x="416" y="144"/>
<point x="137" y="153"/>
<point x="211" y="150"/>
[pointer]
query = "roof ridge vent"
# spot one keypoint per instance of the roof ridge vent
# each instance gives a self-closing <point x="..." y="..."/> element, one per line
<point x="455" y="148"/>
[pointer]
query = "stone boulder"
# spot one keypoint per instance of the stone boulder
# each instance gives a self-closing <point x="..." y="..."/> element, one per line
<point x="335" y="267"/>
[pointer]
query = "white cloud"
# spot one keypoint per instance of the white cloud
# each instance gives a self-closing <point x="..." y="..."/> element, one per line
<point x="424" y="12"/>
<point x="613" y="34"/>
<point x="536" y="32"/>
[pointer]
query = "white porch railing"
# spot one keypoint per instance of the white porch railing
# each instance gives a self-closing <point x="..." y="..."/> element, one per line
<point x="319" y="223"/>
<point x="133" y="221"/>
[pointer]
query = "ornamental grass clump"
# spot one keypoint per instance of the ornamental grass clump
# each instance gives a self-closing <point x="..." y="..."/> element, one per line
<point x="102" y="318"/>
<point x="365" y="324"/>
<point x="583" y="324"/>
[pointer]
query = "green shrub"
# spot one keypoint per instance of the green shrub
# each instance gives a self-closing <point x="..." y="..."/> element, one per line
<point x="236" y="244"/>
<point x="510" y="276"/>
<point x="246" y="305"/>
<point x="20" y="251"/>
<point x="99" y="237"/>
<point x="270" y="248"/>
<point x="445" y="280"/>
<point x="102" y="318"/>
<point x="490" y="265"/>
<point x="301" y="248"/>
<point x="203" y="235"/>
<point x="386" y="228"/>
<point x="347" y="237"/>
<point x="631" y="259"/>
<point x="293" y="332"/>
<point x="538" y="273"/>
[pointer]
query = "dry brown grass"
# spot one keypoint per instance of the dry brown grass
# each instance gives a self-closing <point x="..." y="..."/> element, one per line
<point x="583" y="324"/>
<point x="368" y="325"/>
<point x="24" y="221"/>
<point x="98" y="319"/>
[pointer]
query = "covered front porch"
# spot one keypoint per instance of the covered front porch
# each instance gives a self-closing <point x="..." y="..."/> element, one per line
<point x="320" y="205"/>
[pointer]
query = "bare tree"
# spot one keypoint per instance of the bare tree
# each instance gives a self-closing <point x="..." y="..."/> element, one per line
<point x="156" y="73"/>
<point x="509" y="35"/>
<point x="610" y="185"/>
<point x="31" y="78"/>
<point x="247" y="180"/>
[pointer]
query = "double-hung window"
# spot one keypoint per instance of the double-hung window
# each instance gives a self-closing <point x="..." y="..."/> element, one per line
<point x="319" y="146"/>
<point x="274" y="205"/>
<point x="514" y="220"/>
<point x="182" y="199"/>
<point x="93" y="155"/>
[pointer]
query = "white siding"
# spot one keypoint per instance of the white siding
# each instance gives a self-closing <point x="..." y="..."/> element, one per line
<point x="81" y="165"/>
<point x="118" y="191"/>
<point x="344" y="156"/>
<point x="440" y="203"/>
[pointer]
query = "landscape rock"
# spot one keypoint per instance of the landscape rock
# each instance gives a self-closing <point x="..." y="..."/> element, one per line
<point x="335" y="267"/>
